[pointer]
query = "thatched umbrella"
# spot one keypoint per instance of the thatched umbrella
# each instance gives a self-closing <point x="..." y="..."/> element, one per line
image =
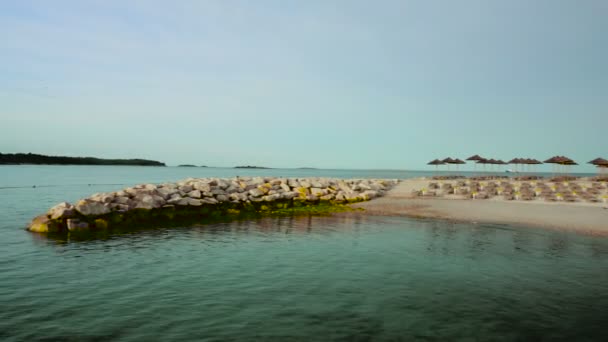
<point x="601" y="163"/>
<point x="448" y="161"/>
<point x="560" y="160"/>
<point x="555" y="160"/>
<point x="528" y="162"/>
<point x="516" y="162"/>
<point x="484" y="162"/>
<point x="436" y="162"/>
<point x="492" y="162"/>
<point x="534" y="162"/>
<point x="476" y="158"/>
<point x="458" y="162"/>
<point x="500" y="162"/>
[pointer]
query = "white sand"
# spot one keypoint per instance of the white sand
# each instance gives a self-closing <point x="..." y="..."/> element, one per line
<point x="579" y="216"/>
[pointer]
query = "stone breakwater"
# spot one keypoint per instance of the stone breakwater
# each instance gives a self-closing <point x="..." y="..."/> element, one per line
<point x="198" y="200"/>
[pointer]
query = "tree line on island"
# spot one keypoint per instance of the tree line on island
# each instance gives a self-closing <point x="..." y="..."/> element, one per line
<point x="39" y="159"/>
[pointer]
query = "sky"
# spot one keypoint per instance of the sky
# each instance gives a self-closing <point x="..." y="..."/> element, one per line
<point x="330" y="84"/>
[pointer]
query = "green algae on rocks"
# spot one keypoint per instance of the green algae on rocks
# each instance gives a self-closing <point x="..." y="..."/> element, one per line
<point x="200" y="201"/>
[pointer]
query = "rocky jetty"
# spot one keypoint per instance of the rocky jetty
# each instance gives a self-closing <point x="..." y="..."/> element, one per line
<point x="196" y="200"/>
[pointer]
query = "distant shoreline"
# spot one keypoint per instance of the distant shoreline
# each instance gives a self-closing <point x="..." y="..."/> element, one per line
<point x="39" y="159"/>
<point x="252" y="167"/>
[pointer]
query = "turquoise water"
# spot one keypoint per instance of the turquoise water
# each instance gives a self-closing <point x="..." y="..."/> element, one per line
<point x="342" y="278"/>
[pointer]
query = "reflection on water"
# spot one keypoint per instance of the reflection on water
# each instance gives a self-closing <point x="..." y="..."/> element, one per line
<point x="348" y="277"/>
<point x="345" y="277"/>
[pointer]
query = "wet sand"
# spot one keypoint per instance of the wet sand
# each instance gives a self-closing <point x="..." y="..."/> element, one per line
<point x="591" y="218"/>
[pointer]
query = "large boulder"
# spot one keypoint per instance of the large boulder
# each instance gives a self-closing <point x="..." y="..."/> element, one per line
<point x="87" y="207"/>
<point x="149" y="202"/>
<point x="256" y="192"/>
<point x="189" y="201"/>
<point x="195" y="194"/>
<point x="61" y="210"/>
<point x="43" y="224"/>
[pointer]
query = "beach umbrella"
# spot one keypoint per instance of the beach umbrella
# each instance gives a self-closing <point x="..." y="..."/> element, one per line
<point x="492" y="162"/>
<point x="516" y="162"/>
<point x="501" y="162"/>
<point x="560" y="161"/>
<point x="458" y="162"/>
<point x="528" y="162"/>
<point x="476" y="158"/>
<point x="556" y="160"/>
<point x="484" y="162"/>
<point x="535" y="162"/>
<point x="448" y="161"/>
<point x="601" y="164"/>
<point x="436" y="162"/>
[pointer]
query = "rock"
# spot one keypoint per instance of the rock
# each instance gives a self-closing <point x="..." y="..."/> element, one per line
<point x="209" y="200"/>
<point x="271" y="198"/>
<point x="195" y="194"/>
<point x="238" y="197"/>
<point x="76" y="224"/>
<point x="119" y="207"/>
<point x="293" y="183"/>
<point x="222" y="198"/>
<point x="285" y="187"/>
<point x="43" y="224"/>
<point x="121" y="200"/>
<point x="328" y="197"/>
<point x="186" y="188"/>
<point x="232" y="189"/>
<point x="149" y="202"/>
<point x="289" y="195"/>
<point x="256" y="192"/>
<point x="150" y="187"/>
<point x="166" y="192"/>
<point x="88" y="207"/>
<point x="202" y="186"/>
<point x="222" y="185"/>
<point x="312" y="198"/>
<point x="216" y="192"/>
<point x="61" y="210"/>
<point x="302" y="191"/>
<point x="318" y="191"/>
<point x="305" y="184"/>
<point x="364" y="186"/>
<point x="189" y="201"/>
<point x="317" y="184"/>
<point x="344" y="187"/>
<point x="369" y="194"/>
<point x="131" y="191"/>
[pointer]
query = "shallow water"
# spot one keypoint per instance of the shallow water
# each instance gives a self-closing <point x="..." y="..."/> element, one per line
<point x="308" y="278"/>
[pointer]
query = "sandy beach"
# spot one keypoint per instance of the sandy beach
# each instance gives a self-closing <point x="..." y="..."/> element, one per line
<point x="406" y="199"/>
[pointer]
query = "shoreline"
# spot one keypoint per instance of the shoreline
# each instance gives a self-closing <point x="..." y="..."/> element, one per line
<point x="588" y="218"/>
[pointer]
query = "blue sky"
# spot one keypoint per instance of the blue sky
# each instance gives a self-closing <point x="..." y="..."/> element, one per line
<point x="333" y="84"/>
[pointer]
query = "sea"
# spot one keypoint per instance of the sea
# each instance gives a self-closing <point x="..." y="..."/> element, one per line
<point x="349" y="277"/>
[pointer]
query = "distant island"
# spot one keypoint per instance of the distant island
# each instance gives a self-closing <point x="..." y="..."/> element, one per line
<point x="186" y="165"/>
<point x="39" y="159"/>
<point x="307" y="168"/>
<point x="251" y="167"/>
